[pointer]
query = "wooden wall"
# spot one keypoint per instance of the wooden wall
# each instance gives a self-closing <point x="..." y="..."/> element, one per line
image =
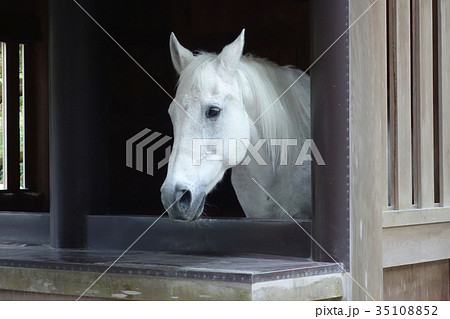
<point x="425" y="281"/>
<point x="399" y="250"/>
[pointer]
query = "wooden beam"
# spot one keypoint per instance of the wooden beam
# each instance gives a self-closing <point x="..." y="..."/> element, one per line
<point x="400" y="103"/>
<point x="368" y="145"/>
<point x="443" y="20"/>
<point x="415" y="244"/>
<point x="407" y="217"/>
<point x="423" y="102"/>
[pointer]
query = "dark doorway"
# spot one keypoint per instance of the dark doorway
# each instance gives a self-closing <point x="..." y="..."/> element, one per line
<point x="277" y="30"/>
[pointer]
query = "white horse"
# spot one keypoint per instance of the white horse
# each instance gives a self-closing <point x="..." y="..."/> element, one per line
<point x="240" y="100"/>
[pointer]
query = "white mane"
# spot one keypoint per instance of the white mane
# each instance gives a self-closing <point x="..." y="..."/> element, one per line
<point x="289" y="116"/>
<point x="262" y="83"/>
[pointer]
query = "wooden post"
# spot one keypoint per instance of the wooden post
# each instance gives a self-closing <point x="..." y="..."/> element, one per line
<point x="368" y="145"/>
<point x="36" y="128"/>
<point x="329" y="129"/>
<point x="400" y="103"/>
<point x="423" y="102"/>
<point x="78" y="124"/>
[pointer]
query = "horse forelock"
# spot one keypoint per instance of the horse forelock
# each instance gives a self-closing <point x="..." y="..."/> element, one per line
<point x="198" y="73"/>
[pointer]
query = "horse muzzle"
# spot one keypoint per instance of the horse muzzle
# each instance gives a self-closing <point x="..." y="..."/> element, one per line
<point x="182" y="203"/>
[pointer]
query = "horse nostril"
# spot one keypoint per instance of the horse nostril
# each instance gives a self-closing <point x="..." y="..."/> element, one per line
<point x="185" y="200"/>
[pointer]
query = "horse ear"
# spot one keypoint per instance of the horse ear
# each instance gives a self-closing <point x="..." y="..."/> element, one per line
<point x="181" y="56"/>
<point x="231" y="54"/>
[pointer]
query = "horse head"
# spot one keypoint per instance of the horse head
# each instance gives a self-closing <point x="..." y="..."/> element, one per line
<point x="208" y="117"/>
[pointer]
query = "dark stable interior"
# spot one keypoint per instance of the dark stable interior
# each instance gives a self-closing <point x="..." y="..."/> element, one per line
<point x="276" y="30"/>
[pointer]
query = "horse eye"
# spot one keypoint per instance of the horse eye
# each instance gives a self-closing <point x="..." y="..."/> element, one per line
<point x="212" y="111"/>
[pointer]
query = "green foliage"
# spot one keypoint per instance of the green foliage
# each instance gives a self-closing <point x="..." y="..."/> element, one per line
<point x="21" y="114"/>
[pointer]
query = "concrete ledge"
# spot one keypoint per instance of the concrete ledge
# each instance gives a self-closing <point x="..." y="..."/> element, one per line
<point x="320" y="287"/>
<point x="117" y="286"/>
<point x="135" y="287"/>
<point x="165" y="276"/>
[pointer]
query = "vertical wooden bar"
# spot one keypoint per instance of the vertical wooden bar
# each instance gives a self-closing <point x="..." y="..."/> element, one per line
<point x="400" y="103"/>
<point x="443" y="16"/>
<point x="11" y="55"/>
<point x="37" y="110"/>
<point x="423" y="102"/>
<point x="368" y="145"/>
